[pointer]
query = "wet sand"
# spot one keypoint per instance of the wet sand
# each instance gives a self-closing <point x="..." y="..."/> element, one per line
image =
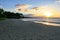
<point x="16" y="29"/>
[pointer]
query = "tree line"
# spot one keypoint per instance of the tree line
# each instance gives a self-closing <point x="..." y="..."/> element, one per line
<point x="8" y="14"/>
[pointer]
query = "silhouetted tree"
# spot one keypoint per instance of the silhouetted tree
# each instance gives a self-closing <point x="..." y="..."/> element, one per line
<point x="13" y="15"/>
<point x="1" y="10"/>
<point x="19" y="15"/>
<point x="8" y="14"/>
<point x="1" y="13"/>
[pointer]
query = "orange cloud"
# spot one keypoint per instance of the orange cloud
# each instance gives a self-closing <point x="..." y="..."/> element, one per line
<point x="25" y="8"/>
<point x="36" y="11"/>
<point x="22" y="7"/>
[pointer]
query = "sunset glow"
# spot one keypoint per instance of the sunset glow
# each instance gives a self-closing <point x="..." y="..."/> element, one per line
<point x="47" y="14"/>
<point x="37" y="8"/>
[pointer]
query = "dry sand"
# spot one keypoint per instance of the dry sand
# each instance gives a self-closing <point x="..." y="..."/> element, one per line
<point x="16" y="29"/>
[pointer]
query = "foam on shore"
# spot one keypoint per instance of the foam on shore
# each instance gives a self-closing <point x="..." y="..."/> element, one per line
<point x="46" y="23"/>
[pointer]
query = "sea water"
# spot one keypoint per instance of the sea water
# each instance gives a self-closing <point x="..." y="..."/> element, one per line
<point x="46" y="21"/>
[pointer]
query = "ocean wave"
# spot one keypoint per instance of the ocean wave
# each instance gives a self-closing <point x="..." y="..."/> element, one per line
<point x="53" y="22"/>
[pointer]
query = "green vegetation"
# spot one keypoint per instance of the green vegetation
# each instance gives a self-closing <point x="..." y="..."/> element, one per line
<point x="6" y="14"/>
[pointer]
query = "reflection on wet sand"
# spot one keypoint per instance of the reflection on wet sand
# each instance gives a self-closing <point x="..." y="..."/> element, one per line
<point x="47" y="23"/>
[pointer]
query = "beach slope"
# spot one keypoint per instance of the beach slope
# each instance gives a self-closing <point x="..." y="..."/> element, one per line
<point x="16" y="29"/>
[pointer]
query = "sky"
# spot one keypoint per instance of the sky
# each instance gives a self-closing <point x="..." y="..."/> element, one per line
<point x="31" y="6"/>
<point x="12" y="3"/>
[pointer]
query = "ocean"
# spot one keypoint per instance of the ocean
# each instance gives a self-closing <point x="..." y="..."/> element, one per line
<point x="48" y="21"/>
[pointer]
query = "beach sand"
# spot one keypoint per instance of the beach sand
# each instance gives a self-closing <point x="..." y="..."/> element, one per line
<point x="16" y="29"/>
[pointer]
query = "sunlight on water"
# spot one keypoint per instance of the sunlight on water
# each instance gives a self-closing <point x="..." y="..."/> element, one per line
<point x="52" y="22"/>
<point x="46" y="23"/>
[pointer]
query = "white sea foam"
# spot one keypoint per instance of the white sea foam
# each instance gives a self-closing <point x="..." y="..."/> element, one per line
<point x="53" y="22"/>
<point x="46" y="23"/>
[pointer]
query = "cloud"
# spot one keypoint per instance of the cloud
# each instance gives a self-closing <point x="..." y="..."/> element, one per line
<point x="37" y="11"/>
<point x="26" y="8"/>
<point x="57" y="0"/>
<point x="22" y="7"/>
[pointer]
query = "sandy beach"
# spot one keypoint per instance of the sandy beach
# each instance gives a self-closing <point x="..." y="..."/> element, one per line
<point x="16" y="29"/>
